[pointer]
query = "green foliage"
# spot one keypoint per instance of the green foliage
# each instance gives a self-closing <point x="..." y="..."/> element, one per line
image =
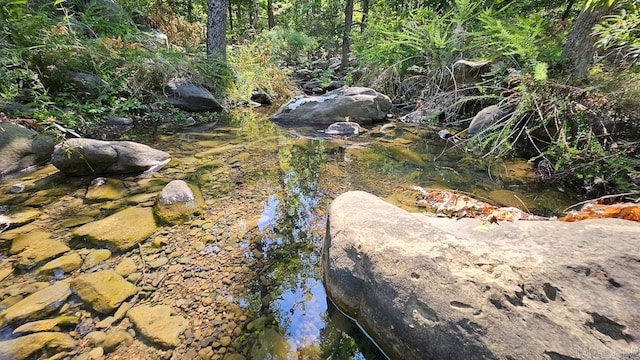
<point x="287" y="45"/>
<point x="254" y="69"/>
<point x="525" y="38"/>
<point x="619" y="34"/>
<point x="426" y="38"/>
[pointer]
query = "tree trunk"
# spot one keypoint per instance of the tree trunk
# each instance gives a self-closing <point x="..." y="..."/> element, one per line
<point x="365" y="15"/>
<point x="254" y="22"/>
<point x="217" y="29"/>
<point x="579" y="49"/>
<point x="230" y="17"/>
<point x="270" y="18"/>
<point x="346" y="40"/>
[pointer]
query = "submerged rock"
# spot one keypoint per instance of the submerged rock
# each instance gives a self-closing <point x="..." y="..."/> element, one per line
<point x="38" y="304"/>
<point x="356" y="104"/>
<point x="67" y="263"/>
<point x="437" y="288"/>
<point x="104" y="290"/>
<point x="35" y="247"/>
<point x="343" y="128"/>
<point x="47" y="325"/>
<point x="121" y="231"/>
<point x="81" y="156"/>
<point x="177" y="201"/>
<point x="103" y="189"/>
<point x="156" y="324"/>
<point x="26" y="346"/>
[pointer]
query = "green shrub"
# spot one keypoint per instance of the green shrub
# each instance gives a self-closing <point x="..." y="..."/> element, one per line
<point x="287" y="45"/>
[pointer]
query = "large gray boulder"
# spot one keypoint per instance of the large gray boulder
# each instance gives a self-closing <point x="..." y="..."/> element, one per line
<point x="188" y="96"/>
<point x="21" y="148"/>
<point x="437" y="288"/>
<point x="357" y="104"/>
<point x="88" y="157"/>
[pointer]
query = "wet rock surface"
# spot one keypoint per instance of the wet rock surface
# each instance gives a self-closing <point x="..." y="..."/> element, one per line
<point x="441" y="288"/>
<point x="82" y="156"/>
<point x="356" y="104"/>
<point x="21" y="148"/>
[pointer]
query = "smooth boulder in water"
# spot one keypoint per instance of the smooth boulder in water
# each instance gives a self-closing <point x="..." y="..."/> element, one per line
<point x="439" y="288"/>
<point x="82" y="156"/>
<point x="357" y="104"/>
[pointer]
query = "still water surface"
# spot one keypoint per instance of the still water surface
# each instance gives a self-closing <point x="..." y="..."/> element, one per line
<point x="298" y="172"/>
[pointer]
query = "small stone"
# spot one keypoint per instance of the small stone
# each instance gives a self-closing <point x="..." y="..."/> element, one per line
<point x="116" y="338"/>
<point x="94" y="257"/>
<point x="126" y="267"/>
<point x="95" y="338"/>
<point x="158" y="262"/>
<point x="67" y="263"/>
<point x="135" y="277"/>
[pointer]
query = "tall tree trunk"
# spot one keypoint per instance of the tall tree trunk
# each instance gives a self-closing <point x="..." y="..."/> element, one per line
<point x="346" y="40"/>
<point x="230" y="17"/>
<point x="217" y="29"/>
<point x="270" y="18"/>
<point x="579" y="49"/>
<point x="365" y="15"/>
<point x="254" y="9"/>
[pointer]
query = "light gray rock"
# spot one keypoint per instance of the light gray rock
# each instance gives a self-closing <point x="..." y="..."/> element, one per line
<point x="485" y="118"/>
<point x="437" y="288"/>
<point x="344" y="128"/>
<point x="188" y="96"/>
<point x="357" y="104"/>
<point x="177" y="201"/>
<point x="156" y="324"/>
<point x="21" y="148"/>
<point x="81" y="156"/>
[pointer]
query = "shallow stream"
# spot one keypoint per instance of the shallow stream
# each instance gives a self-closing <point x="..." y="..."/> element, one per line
<point x="268" y="190"/>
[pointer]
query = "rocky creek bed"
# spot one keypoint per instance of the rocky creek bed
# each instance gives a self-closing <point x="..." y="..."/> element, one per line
<point x="241" y="279"/>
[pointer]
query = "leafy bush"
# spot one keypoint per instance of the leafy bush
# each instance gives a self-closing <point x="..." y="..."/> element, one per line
<point x="254" y="69"/>
<point x="287" y="45"/>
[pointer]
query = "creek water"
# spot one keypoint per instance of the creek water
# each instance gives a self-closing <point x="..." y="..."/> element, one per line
<point x="270" y="188"/>
<point x="300" y="170"/>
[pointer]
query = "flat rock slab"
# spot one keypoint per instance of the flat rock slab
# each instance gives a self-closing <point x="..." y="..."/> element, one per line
<point x="26" y="346"/>
<point x="157" y="324"/>
<point x="40" y="303"/>
<point x="357" y="104"/>
<point x="120" y="231"/>
<point x="35" y="247"/>
<point x="103" y="290"/>
<point x="82" y="156"/>
<point x="438" y="288"/>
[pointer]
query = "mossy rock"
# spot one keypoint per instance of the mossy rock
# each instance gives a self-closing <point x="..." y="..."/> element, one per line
<point x="178" y="201"/>
<point x="120" y="231"/>
<point x="104" y="290"/>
